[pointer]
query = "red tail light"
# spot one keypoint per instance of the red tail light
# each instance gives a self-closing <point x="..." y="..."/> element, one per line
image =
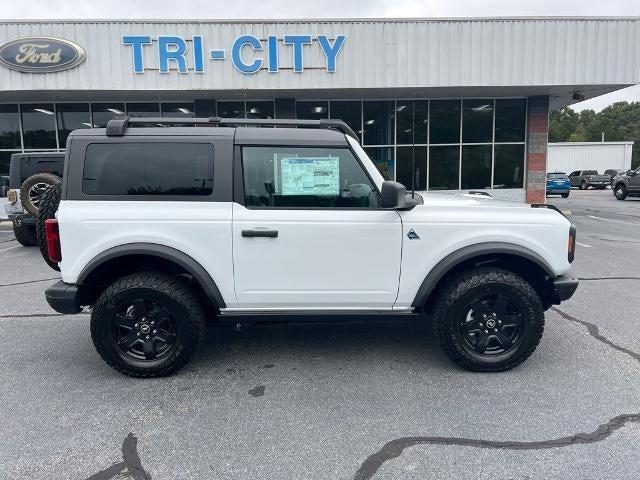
<point x="53" y="239"/>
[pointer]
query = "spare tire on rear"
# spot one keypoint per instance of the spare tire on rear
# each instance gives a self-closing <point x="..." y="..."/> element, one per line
<point x="32" y="189"/>
<point x="49" y="202"/>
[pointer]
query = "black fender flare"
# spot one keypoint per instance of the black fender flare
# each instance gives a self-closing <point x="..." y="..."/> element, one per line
<point x="455" y="258"/>
<point x="181" y="259"/>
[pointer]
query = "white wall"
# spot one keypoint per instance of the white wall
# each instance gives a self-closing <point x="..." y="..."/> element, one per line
<point x="569" y="156"/>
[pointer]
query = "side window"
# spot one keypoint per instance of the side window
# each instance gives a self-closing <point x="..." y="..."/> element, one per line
<point x="574" y="174"/>
<point x="301" y="177"/>
<point x="148" y="169"/>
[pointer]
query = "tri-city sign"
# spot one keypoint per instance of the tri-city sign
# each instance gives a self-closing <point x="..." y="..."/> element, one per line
<point x="249" y="54"/>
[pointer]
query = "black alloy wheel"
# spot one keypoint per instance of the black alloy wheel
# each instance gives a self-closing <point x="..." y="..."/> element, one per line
<point x="620" y="191"/>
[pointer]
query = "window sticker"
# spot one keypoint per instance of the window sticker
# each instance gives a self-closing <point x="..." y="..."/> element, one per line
<point x="310" y="176"/>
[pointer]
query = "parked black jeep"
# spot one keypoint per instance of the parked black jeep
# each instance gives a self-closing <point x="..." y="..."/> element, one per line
<point x="30" y="174"/>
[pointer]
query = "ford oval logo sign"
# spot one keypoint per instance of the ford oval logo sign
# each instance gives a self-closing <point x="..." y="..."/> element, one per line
<point x="41" y="54"/>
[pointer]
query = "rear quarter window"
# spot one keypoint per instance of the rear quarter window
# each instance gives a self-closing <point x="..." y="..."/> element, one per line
<point x="131" y="169"/>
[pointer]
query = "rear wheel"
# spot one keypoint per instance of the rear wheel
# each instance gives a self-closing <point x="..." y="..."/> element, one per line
<point x="25" y="234"/>
<point x="49" y="203"/>
<point x="32" y="189"/>
<point x="488" y="319"/>
<point x="147" y="324"/>
<point x="620" y="191"/>
<point x="583" y="185"/>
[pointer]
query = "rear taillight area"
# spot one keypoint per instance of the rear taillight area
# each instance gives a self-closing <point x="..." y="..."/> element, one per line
<point x="12" y="196"/>
<point x="52" y="235"/>
<point x="571" y="247"/>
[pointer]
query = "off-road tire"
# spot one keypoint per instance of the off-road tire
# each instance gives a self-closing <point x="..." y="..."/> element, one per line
<point x="564" y="195"/>
<point x="176" y="296"/>
<point x="39" y="182"/>
<point x="49" y="203"/>
<point x="620" y="191"/>
<point x="25" y="234"/>
<point x="584" y="185"/>
<point x="480" y="281"/>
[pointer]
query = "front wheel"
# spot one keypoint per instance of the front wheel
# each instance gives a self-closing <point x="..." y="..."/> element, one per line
<point x="147" y="324"/>
<point x="620" y="191"/>
<point x="488" y="319"/>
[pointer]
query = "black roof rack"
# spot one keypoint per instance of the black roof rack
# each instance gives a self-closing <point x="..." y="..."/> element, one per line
<point x="117" y="126"/>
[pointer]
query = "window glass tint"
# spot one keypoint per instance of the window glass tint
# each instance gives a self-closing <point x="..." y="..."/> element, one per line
<point x="403" y="167"/>
<point x="143" y="109"/>
<point x="231" y="109"/>
<point x="445" y="121"/>
<point x="260" y="109"/>
<point x="350" y="112"/>
<point x="382" y="158"/>
<point x="509" y="166"/>
<point x="378" y="122"/>
<point x="477" y="121"/>
<point x="9" y="127"/>
<point x="177" y="110"/>
<point x="443" y="167"/>
<point x="312" y="110"/>
<point x="476" y="166"/>
<point x="39" y="125"/>
<point x="409" y="122"/>
<point x="71" y="116"/>
<point x="5" y="160"/>
<point x="103" y="112"/>
<point x="148" y="169"/>
<point x="556" y="175"/>
<point x="510" y="120"/>
<point x="299" y="177"/>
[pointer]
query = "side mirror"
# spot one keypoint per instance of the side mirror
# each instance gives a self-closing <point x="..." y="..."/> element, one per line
<point x="393" y="195"/>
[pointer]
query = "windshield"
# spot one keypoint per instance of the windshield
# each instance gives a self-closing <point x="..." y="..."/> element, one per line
<point x="557" y="175"/>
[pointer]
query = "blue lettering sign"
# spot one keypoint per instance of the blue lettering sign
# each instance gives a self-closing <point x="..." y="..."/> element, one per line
<point x="236" y="53"/>
<point x="298" y="41"/>
<point x="136" y="42"/>
<point x="331" y="51"/>
<point x="198" y="55"/>
<point x="272" y="43"/>
<point x="172" y="48"/>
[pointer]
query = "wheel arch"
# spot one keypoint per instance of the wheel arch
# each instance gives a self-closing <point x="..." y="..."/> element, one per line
<point x="121" y="260"/>
<point x="515" y="258"/>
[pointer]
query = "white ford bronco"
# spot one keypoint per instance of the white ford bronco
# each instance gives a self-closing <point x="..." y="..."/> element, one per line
<point x="160" y="230"/>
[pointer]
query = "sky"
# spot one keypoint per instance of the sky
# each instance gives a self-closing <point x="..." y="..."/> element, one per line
<point x="282" y="9"/>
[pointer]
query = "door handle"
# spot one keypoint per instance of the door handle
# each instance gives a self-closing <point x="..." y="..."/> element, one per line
<point x="260" y="233"/>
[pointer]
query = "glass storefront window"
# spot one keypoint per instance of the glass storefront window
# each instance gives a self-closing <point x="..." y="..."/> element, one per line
<point x="143" y="109"/>
<point x="9" y="127"/>
<point x="444" y="121"/>
<point x="476" y="166"/>
<point x="378" y="122"/>
<point x="382" y="157"/>
<point x="177" y="110"/>
<point x="511" y="118"/>
<point x="260" y="109"/>
<point x="403" y="167"/>
<point x="71" y="116"/>
<point x="444" y="165"/>
<point x="39" y="125"/>
<point x="409" y="123"/>
<point x="509" y="166"/>
<point x="477" y="121"/>
<point x="312" y="110"/>
<point x="350" y="112"/>
<point x="103" y="112"/>
<point x="231" y="109"/>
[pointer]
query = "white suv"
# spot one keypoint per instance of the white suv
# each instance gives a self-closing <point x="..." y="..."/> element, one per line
<point x="161" y="230"/>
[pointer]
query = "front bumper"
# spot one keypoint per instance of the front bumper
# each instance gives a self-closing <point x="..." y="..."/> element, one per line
<point x="564" y="287"/>
<point x="63" y="297"/>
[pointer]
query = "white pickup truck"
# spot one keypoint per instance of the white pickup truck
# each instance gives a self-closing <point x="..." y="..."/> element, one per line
<point x="161" y="230"/>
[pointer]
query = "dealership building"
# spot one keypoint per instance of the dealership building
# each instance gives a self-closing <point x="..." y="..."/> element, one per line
<point x="442" y="104"/>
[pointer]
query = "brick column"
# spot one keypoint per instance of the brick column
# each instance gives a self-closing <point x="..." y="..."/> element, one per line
<point x="537" y="135"/>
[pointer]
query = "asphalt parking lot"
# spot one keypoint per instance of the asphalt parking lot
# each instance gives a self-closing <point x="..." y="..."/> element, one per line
<point x="341" y="401"/>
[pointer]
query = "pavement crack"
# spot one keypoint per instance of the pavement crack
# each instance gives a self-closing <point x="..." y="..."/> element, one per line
<point x="594" y="331"/>
<point x="28" y="281"/>
<point x="395" y="448"/>
<point x="130" y="466"/>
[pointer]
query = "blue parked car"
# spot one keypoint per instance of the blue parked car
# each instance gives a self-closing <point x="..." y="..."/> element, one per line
<point x="558" y="184"/>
